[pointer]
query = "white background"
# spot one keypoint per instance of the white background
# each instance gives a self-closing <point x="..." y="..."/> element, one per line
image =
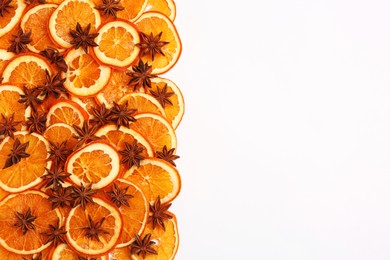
<point x="285" y="143"/>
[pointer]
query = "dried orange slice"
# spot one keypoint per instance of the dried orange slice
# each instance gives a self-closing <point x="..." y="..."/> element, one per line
<point x="96" y="163"/>
<point x="156" y="23"/>
<point x="35" y="19"/>
<point x="117" y="44"/>
<point x="9" y="105"/>
<point x="64" y="252"/>
<point x="133" y="9"/>
<point x="166" y="241"/>
<point x="85" y="77"/>
<point x="67" y="15"/>
<point x="68" y="112"/>
<point x="89" y="243"/>
<point x="26" y="70"/>
<point x="59" y="132"/>
<point x="144" y="103"/>
<point x="155" y="178"/>
<point x="156" y="129"/>
<point x="167" y="7"/>
<point x="5" y="57"/>
<point x="15" y="235"/>
<point x="174" y="107"/>
<point x="87" y="103"/>
<point x="3" y="194"/>
<point x="11" y="16"/>
<point x="28" y="171"/>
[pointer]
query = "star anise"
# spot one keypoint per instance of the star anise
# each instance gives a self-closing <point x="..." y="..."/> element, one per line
<point x="151" y="45"/>
<point x="122" y="115"/>
<point x="79" y="257"/>
<point x="86" y="133"/>
<point x="55" y="58"/>
<point x="25" y="221"/>
<point x="61" y="197"/>
<point x="56" y="234"/>
<point x="54" y="86"/>
<point x="55" y="177"/>
<point x="118" y="196"/>
<point x="140" y="75"/>
<point x="168" y="155"/>
<point x="4" y="6"/>
<point x="82" y="195"/>
<point x="7" y="125"/>
<point x="30" y="98"/>
<point x="36" y="122"/>
<point x="101" y="115"/>
<point x="94" y="229"/>
<point x="59" y="152"/>
<point x="83" y="38"/>
<point x="143" y="246"/>
<point x="29" y="2"/>
<point x="38" y="257"/>
<point x="131" y="155"/>
<point x="158" y="213"/>
<point x="162" y="95"/>
<point x="20" y="41"/>
<point x="110" y="7"/>
<point x="18" y="152"/>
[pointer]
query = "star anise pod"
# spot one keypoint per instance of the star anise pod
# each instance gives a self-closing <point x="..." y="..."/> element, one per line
<point x="162" y="95"/>
<point x="20" y="41"/>
<point x="38" y="257"/>
<point x="151" y="45"/>
<point x="54" y="86"/>
<point x="82" y="195"/>
<point x="140" y="75"/>
<point x="158" y="213"/>
<point x="55" y="177"/>
<point x="29" y="2"/>
<point x="4" y="6"/>
<point x="119" y="196"/>
<point x="59" y="153"/>
<point x="61" y="197"/>
<point x="79" y="257"/>
<point x="25" y="221"/>
<point x="36" y="122"/>
<point x="83" y="38"/>
<point x="110" y="7"/>
<point x="7" y="125"/>
<point x="30" y="98"/>
<point x="101" y="115"/>
<point x="55" y="58"/>
<point x="122" y="115"/>
<point x="131" y="155"/>
<point x="86" y="133"/>
<point x="94" y="229"/>
<point x="17" y="153"/>
<point x="56" y="234"/>
<point x="143" y="246"/>
<point x="168" y="155"/>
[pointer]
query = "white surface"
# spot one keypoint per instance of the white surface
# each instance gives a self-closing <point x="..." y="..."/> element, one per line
<point x="285" y="144"/>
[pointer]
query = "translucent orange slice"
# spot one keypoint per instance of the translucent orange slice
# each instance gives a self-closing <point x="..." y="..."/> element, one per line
<point x="167" y="7"/>
<point x="5" y="57"/>
<point x="9" y="105"/>
<point x="59" y="132"/>
<point x="144" y="103"/>
<point x="67" y="112"/>
<point x="12" y="17"/>
<point x="133" y="9"/>
<point x="87" y="103"/>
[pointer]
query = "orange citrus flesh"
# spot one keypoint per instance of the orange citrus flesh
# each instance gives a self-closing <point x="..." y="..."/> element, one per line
<point x="68" y="112"/>
<point x="9" y="105"/>
<point x="64" y="252"/>
<point x="12" y="17"/>
<point x="5" y="57"/>
<point x="166" y="7"/>
<point x="144" y="103"/>
<point x="59" y="133"/>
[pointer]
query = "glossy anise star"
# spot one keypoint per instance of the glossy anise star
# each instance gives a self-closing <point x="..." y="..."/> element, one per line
<point x="168" y="155"/>
<point x="151" y="45"/>
<point x="119" y="196"/>
<point x="55" y="177"/>
<point x="25" y="221"/>
<point x="56" y="234"/>
<point x="82" y="38"/>
<point x="86" y="133"/>
<point x="20" y="41"/>
<point x="61" y="197"/>
<point x="158" y="213"/>
<point x="162" y="95"/>
<point x="56" y="58"/>
<point x="38" y="257"/>
<point x="36" y="122"/>
<point x="17" y="153"/>
<point x="59" y="153"/>
<point x="94" y="229"/>
<point x="110" y="7"/>
<point x="140" y="75"/>
<point x="8" y="125"/>
<point x="54" y="86"/>
<point x="82" y="195"/>
<point x="101" y="115"/>
<point x="30" y="98"/>
<point x="5" y="5"/>
<point x="143" y="246"/>
<point x="131" y="155"/>
<point x="122" y="115"/>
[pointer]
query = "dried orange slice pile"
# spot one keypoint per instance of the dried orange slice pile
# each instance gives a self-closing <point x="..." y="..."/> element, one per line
<point x="87" y="129"/>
